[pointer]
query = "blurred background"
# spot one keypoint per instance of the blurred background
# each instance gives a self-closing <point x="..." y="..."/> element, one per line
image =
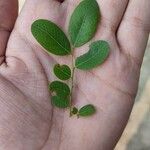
<point x="137" y="133"/>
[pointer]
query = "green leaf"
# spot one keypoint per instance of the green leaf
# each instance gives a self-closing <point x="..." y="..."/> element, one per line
<point x="87" y="110"/>
<point x="60" y="89"/>
<point x="62" y="72"/>
<point x="74" y="110"/>
<point x="97" y="54"/>
<point x="84" y="22"/>
<point x="51" y="37"/>
<point x="60" y="102"/>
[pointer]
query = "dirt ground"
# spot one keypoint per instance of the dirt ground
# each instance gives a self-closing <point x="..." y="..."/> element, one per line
<point x="137" y="133"/>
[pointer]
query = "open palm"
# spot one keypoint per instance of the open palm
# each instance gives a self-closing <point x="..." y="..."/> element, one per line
<point x="27" y="119"/>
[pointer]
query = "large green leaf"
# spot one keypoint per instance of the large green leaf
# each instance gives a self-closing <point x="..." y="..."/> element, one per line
<point x="51" y="37"/>
<point x="97" y="54"/>
<point x="84" y="22"/>
<point x="60" y="102"/>
<point x="62" y="72"/>
<point x="87" y="110"/>
<point x="60" y="89"/>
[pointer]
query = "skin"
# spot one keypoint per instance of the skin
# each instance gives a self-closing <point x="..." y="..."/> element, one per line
<point x="27" y="119"/>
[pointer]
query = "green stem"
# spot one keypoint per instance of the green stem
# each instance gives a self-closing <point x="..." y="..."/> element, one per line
<point x="72" y="85"/>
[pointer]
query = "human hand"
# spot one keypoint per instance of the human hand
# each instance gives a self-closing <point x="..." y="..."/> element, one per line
<point x="27" y="119"/>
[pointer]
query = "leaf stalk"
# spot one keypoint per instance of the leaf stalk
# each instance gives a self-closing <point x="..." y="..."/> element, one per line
<point x="72" y="84"/>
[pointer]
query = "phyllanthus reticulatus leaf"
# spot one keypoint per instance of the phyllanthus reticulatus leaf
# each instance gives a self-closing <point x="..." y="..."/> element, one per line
<point x="82" y="27"/>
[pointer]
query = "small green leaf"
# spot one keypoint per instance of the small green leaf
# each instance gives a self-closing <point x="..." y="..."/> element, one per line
<point x="84" y="22"/>
<point x="87" y="110"/>
<point x="62" y="72"/>
<point x="97" y="54"/>
<point x="74" y="110"/>
<point x="60" y="102"/>
<point x="51" y="37"/>
<point x="61" y="89"/>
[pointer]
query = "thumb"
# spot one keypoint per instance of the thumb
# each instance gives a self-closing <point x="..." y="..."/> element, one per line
<point x="8" y="15"/>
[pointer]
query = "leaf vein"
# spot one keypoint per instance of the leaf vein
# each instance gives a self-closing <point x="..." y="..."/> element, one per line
<point x="82" y="25"/>
<point x="53" y="38"/>
<point x="87" y="60"/>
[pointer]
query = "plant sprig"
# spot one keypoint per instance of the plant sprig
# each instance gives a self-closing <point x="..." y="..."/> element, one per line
<point x="82" y="27"/>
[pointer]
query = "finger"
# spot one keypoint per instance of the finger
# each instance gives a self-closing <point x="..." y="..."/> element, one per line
<point x="8" y="14"/>
<point x="111" y="12"/>
<point x="36" y="9"/>
<point x="22" y="43"/>
<point x="134" y="29"/>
